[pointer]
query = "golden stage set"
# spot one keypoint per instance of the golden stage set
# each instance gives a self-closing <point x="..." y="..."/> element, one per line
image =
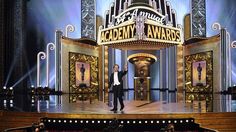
<point x="141" y="28"/>
<point x="190" y="65"/>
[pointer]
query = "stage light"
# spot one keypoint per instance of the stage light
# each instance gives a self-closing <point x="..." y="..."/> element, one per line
<point x="32" y="101"/>
<point x="49" y="120"/>
<point x="59" y="121"/>
<point x="139" y="122"/>
<point x="11" y="105"/>
<point x="92" y="121"/>
<point x="151" y="121"/>
<point x="70" y="121"/>
<point x="11" y="88"/>
<point x="122" y="122"/>
<point x="64" y="121"/>
<point x="11" y="101"/>
<point x="175" y="121"/>
<point x="191" y="120"/>
<point x="127" y="122"/>
<point x="54" y="121"/>
<point x="32" y="86"/>
<point x="109" y="121"/>
<point x="75" y="121"/>
<point x="134" y="122"/>
<point x="87" y="121"/>
<point x="186" y="120"/>
<point x="81" y="121"/>
<point x="181" y="121"/>
<point x="169" y="121"/>
<point x="4" y="87"/>
<point x="145" y="121"/>
<point x="163" y="122"/>
<point x="104" y="121"/>
<point x="98" y="121"/>
<point x="158" y="122"/>
<point x="4" y="101"/>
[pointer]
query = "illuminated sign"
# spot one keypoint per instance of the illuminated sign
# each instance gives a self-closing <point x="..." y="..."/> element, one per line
<point x="139" y="23"/>
<point x="133" y="12"/>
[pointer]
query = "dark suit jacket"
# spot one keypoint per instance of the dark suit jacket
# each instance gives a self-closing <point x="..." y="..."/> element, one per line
<point x="120" y="75"/>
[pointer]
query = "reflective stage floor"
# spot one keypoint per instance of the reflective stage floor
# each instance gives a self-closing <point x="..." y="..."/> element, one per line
<point x="220" y="114"/>
<point x="67" y="104"/>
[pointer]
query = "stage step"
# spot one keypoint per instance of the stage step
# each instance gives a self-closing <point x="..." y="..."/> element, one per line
<point x="218" y="121"/>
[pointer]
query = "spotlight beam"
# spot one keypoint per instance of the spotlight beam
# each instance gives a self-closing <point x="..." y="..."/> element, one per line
<point x="24" y="76"/>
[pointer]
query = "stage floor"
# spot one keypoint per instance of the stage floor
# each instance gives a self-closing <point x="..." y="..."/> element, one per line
<point x="63" y="104"/>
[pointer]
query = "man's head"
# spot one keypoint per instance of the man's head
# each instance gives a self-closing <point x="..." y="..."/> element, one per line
<point x="116" y="68"/>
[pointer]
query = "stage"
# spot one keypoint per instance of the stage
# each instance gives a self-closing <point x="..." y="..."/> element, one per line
<point x="77" y="104"/>
<point x="27" y="109"/>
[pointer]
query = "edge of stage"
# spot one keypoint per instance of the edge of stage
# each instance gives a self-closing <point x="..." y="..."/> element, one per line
<point x="222" y="121"/>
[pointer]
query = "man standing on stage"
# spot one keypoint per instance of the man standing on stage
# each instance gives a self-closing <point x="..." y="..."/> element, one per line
<point x="117" y="83"/>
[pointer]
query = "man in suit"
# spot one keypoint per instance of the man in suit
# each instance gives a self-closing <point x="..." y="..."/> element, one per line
<point x="117" y="82"/>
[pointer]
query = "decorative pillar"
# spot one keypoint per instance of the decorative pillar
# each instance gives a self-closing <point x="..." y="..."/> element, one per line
<point x="88" y="19"/>
<point x="50" y="46"/>
<point x="223" y="56"/>
<point x="172" y="71"/>
<point x="58" y="35"/>
<point x="198" y="18"/>
<point x="41" y="55"/>
<point x="69" y="28"/>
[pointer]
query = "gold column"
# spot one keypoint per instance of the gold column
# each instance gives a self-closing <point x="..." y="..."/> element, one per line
<point x="180" y="70"/>
<point x="148" y="89"/>
<point x="135" y="81"/>
<point x="187" y="27"/>
<point x="106" y="76"/>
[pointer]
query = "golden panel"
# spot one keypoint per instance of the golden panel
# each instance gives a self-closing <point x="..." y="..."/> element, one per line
<point x="199" y="92"/>
<point x="93" y="61"/>
<point x="189" y="60"/>
<point x="200" y="98"/>
<point x="73" y="98"/>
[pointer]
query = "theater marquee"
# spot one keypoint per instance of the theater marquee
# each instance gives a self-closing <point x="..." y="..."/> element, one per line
<point x="139" y="23"/>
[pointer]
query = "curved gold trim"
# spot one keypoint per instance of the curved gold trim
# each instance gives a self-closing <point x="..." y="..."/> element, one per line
<point x="142" y="55"/>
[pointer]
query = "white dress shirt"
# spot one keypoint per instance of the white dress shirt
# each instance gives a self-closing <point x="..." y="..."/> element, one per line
<point x="116" y="80"/>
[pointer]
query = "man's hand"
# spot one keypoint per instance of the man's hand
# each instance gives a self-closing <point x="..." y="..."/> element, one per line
<point x="125" y="67"/>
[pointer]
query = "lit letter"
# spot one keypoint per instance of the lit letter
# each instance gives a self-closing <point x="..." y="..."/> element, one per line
<point x="102" y="37"/>
<point x="120" y="33"/>
<point x="173" y="36"/>
<point x="106" y="35"/>
<point x="126" y="32"/>
<point x="115" y="34"/>
<point x="168" y="34"/>
<point x="110" y="36"/>
<point x="132" y="30"/>
<point x="149" y="34"/>
<point x="163" y="34"/>
<point x="178" y="36"/>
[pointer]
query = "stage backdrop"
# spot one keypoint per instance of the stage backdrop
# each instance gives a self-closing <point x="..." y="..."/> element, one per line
<point x="199" y="78"/>
<point x="74" y="54"/>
